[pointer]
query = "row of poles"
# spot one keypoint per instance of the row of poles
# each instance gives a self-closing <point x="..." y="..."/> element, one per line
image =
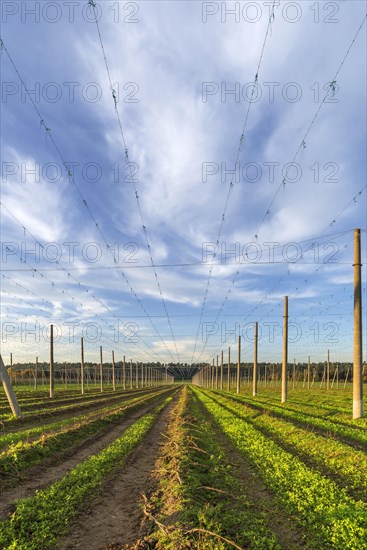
<point x="357" y="355"/>
<point x="136" y="375"/>
<point x="208" y="376"/>
<point x="141" y="376"/>
<point x="221" y="375"/>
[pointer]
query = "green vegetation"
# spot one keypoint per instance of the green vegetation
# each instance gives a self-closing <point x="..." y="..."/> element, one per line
<point x="331" y="518"/>
<point x="198" y="487"/>
<point x="234" y="471"/>
<point x="22" y="455"/>
<point x="39" y="521"/>
<point x="348" y="466"/>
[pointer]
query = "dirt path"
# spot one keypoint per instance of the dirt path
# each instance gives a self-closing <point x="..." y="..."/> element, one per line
<point x="56" y="467"/>
<point x="114" y="518"/>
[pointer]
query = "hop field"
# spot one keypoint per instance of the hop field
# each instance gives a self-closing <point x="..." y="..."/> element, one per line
<point x="181" y="466"/>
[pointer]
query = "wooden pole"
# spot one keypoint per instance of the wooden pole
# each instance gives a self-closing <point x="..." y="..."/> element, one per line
<point x="346" y="377"/>
<point x="357" y="355"/>
<point x="36" y="374"/>
<point x="216" y="375"/>
<point x="124" y="374"/>
<point x="328" y="371"/>
<point x="308" y="373"/>
<point x="101" y="367"/>
<point x="221" y="371"/>
<point x="52" y="362"/>
<point x="254" y="379"/>
<point x="229" y="369"/>
<point x="294" y="374"/>
<point x="335" y="375"/>
<point x="238" y="385"/>
<point x="82" y="365"/>
<point x="13" y="378"/>
<point x="9" y="392"/>
<point x="285" y="352"/>
<point x="113" y="372"/>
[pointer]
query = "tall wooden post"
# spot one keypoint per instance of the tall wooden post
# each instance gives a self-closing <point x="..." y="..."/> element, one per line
<point x="9" y="392"/>
<point x="229" y="369"/>
<point x="294" y="374"/>
<point x="101" y="367"/>
<point x="238" y="388"/>
<point x="113" y="372"/>
<point x="357" y="357"/>
<point x="221" y="371"/>
<point x="308" y="373"/>
<point x="285" y="352"/>
<point x="136" y="375"/>
<point x="212" y="375"/>
<point x="36" y="374"/>
<point x="328" y="371"/>
<point x="124" y="374"/>
<point x="82" y="364"/>
<point x="216" y="374"/>
<point x="254" y="380"/>
<point x="51" y="361"/>
<point x="131" y="374"/>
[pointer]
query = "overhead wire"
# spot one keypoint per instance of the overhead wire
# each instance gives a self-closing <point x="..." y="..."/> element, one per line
<point x="72" y="180"/>
<point x="300" y="147"/>
<point x="242" y="142"/>
<point x="93" y="4"/>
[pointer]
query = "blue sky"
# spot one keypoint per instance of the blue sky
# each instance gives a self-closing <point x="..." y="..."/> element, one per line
<point x="173" y="66"/>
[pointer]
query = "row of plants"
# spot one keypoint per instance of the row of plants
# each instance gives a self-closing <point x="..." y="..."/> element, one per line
<point x="61" y="391"/>
<point x="319" y="400"/>
<point x="31" y="405"/>
<point x="50" y="412"/>
<point x="348" y="466"/>
<point x="29" y="396"/>
<point x="355" y="434"/>
<point x="23" y="455"/>
<point x="199" y="502"/>
<point x="39" y="521"/>
<point x="330" y="517"/>
<point x="28" y="435"/>
<point x="317" y="409"/>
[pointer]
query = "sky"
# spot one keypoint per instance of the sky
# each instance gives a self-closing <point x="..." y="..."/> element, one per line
<point x="171" y="170"/>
